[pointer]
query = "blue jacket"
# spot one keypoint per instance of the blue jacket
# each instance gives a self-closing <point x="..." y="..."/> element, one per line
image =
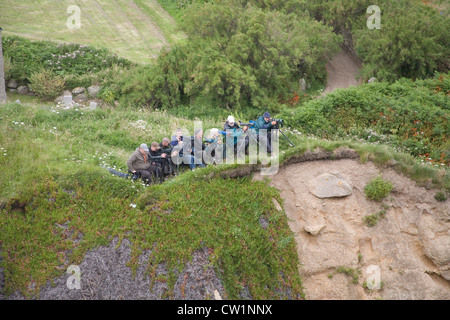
<point x="262" y="124"/>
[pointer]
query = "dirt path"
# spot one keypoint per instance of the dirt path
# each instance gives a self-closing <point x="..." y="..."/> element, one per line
<point x="342" y="71"/>
<point x="409" y="245"/>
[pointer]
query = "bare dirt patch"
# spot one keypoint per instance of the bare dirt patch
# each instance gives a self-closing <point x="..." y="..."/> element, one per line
<point x="410" y="245"/>
<point x="343" y="71"/>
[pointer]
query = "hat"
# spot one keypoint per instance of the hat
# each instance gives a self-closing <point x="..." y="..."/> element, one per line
<point x="214" y="132"/>
<point x="230" y="119"/>
<point x="144" y="147"/>
<point x="266" y="115"/>
<point x="155" y="145"/>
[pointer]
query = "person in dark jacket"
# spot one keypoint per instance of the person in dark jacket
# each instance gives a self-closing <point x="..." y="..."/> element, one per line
<point x="157" y="156"/>
<point x="167" y="165"/>
<point x="264" y="122"/>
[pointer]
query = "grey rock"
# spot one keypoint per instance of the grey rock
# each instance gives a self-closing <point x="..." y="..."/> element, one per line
<point x="302" y="85"/>
<point x="372" y="80"/>
<point x="81" y="98"/>
<point x="330" y="185"/>
<point x="93" y="91"/>
<point x="58" y="100"/>
<point x="23" y="90"/>
<point x="12" y="84"/>
<point x="77" y="91"/>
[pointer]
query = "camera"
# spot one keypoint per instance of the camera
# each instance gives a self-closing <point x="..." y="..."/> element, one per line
<point x="279" y="123"/>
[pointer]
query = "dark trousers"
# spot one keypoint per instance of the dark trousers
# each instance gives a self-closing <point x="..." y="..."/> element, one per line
<point x="266" y="141"/>
<point x="154" y="170"/>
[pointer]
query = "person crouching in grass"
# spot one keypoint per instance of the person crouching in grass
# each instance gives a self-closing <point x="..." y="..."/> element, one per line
<point x="139" y="163"/>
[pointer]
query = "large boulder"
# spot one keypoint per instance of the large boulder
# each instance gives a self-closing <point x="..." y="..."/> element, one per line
<point x="330" y="185"/>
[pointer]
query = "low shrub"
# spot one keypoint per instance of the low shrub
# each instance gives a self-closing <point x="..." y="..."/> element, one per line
<point x="378" y="189"/>
<point x="372" y="220"/>
<point x="440" y="196"/>
<point x="46" y="84"/>
<point x="74" y="61"/>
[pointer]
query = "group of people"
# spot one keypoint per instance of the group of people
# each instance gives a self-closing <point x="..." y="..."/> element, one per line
<point x="161" y="159"/>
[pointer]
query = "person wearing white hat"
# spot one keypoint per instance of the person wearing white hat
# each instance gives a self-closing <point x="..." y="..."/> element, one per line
<point x="234" y="131"/>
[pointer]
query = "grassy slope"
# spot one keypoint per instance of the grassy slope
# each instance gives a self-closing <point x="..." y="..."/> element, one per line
<point x="50" y="176"/>
<point x="61" y="182"/>
<point x="136" y="30"/>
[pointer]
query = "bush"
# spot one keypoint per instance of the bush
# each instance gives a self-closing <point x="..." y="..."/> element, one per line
<point x="7" y="65"/>
<point x="412" y="42"/>
<point x="28" y="57"/>
<point x="73" y="81"/>
<point x="378" y="189"/>
<point x="411" y="116"/>
<point x="46" y="84"/>
<point x="235" y="57"/>
<point x="440" y="196"/>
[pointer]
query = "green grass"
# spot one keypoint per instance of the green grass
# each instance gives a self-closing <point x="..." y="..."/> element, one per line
<point x="50" y="177"/>
<point x="135" y="30"/>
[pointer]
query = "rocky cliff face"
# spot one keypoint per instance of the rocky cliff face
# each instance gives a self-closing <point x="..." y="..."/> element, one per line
<point x="406" y="255"/>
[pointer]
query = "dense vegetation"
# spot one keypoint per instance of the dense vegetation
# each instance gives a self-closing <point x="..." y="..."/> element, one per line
<point x="63" y="203"/>
<point x="77" y="65"/>
<point x="411" y="116"/>
<point x="234" y="58"/>
<point x="240" y="57"/>
<point x="412" y="41"/>
<point x="64" y="185"/>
